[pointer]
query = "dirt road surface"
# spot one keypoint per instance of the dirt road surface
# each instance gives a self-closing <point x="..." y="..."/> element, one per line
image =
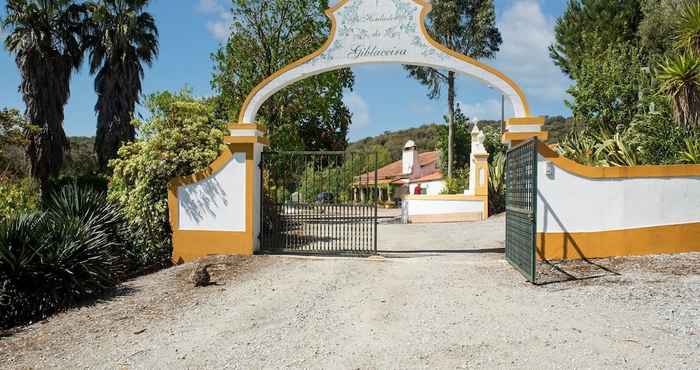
<point x="457" y="304"/>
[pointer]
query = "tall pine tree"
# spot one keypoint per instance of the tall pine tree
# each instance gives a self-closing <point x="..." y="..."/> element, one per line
<point x="589" y="27"/>
<point x="467" y="27"/>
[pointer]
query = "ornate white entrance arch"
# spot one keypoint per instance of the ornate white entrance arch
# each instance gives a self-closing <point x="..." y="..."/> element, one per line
<point x="381" y="31"/>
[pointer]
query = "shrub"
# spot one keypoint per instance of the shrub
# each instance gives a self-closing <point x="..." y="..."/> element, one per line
<point x="53" y="259"/>
<point x="15" y="197"/>
<point x="458" y="183"/>
<point x="181" y="137"/>
<point x="657" y="138"/>
<point x="94" y="181"/>
<point x="691" y="153"/>
<point x="497" y="184"/>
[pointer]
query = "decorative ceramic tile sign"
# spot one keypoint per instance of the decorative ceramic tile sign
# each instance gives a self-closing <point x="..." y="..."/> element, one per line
<point x="381" y="31"/>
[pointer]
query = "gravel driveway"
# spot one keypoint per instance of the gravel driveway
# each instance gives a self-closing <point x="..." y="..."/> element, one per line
<point x="456" y="305"/>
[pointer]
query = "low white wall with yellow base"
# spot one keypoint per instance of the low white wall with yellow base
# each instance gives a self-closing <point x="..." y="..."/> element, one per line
<point x="444" y="208"/>
<point x="590" y="212"/>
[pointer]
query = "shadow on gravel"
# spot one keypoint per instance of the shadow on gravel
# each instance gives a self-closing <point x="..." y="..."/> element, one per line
<point x="555" y="272"/>
<point x="105" y="297"/>
<point x="449" y="251"/>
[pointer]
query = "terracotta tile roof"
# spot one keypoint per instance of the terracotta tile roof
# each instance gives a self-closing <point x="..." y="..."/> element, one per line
<point x="435" y="176"/>
<point x="395" y="170"/>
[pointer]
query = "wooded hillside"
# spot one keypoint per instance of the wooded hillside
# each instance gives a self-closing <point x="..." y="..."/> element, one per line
<point x="426" y="136"/>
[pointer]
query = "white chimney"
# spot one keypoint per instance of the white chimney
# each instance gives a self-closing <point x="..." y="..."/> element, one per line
<point x="410" y="157"/>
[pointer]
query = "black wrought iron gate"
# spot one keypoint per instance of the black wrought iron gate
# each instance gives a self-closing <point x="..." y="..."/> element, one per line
<point x="521" y="208"/>
<point x="319" y="203"/>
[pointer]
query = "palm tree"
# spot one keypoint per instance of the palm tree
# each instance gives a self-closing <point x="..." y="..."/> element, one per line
<point x="122" y="37"/>
<point x="45" y="38"/>
<point x="680" y="80"/>
<point x="688" y="28"/>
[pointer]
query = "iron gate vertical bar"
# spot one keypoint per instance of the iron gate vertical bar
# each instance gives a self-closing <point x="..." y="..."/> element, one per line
<point x="261" y="226"/>
<point x="533" y="198"/>
<point x="376" y="197"/>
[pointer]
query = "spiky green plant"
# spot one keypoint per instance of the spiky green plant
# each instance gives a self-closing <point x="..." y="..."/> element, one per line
<point x="56" y="258"/>
<point x="579" y="146"/>
<point x="691" y="154"/>
<point x="122" y="37"/>
<point x="497" y="184"/>
<point x="687" y="36"/>
<point x="680" y="81"/>
<point x="613" y="151"/>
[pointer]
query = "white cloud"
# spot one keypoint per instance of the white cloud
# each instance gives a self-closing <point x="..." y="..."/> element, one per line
<point x="210" y="7"/>
<point x="489" y="109"/>
<point x="524" y="56"/>
<point x="359" y="109"/>
<point x="219" y="29"/>
<point x="219" y="26"/>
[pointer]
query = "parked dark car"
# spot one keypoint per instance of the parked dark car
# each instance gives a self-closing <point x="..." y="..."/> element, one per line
<point x="325" y="198"/>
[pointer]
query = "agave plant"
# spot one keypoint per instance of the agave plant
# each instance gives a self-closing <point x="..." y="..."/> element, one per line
<point x="497" y="184"/>
<point x="579" y="146"/>
<point x="680" y="81"/>
<point x="691" y="154"/>
<point x="613" y="151"/>
<point x="55" y="258"/>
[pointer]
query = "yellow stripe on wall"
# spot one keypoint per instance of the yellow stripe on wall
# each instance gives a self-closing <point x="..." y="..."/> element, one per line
<point x="633" y="242"/>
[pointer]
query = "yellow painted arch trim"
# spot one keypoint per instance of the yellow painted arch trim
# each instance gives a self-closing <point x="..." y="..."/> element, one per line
<point x="617" y="172"/>
<point x="330" y="13"/>
<point x="247" y="126"/>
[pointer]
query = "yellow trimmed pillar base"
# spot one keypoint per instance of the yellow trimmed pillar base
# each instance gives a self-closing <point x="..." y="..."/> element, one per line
<point x="522" y="129"/>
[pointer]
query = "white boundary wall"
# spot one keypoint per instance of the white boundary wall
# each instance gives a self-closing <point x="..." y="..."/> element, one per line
<point x="433" y="206"/>
<point x="568" y="203"/>
<point x="432" y="187"/>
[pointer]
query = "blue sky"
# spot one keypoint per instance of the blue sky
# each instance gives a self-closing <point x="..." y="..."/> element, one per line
<point x="383" y="97"/>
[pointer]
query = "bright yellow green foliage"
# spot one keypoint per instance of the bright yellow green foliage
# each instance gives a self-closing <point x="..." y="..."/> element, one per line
<point x="458" y="183"/>
<point x="180" y="138"/>
<point x="691" y="154"/>
<point x="17" y="197"/>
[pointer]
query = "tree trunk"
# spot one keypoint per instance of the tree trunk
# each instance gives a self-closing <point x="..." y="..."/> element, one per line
<point x="451" y="117"/>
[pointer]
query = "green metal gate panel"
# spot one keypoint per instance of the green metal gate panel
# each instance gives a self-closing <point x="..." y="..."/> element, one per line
<point x="322" y="203"/>
<point x="521" y="208"/>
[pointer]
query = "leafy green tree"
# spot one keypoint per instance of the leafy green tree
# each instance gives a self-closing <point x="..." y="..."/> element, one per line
<point x="122" y="37"/>
<point x="467" y="27"/>
<point x="46" y="40"/>
<point x="267" y="35"/>
<point x="181" y="137"/>
<point x="657" y="25"/>
<point x="461" y="141"/>
<point x="607" y="88"/>
<point x="13" y="128"/>
<point x="591" y="26"/>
